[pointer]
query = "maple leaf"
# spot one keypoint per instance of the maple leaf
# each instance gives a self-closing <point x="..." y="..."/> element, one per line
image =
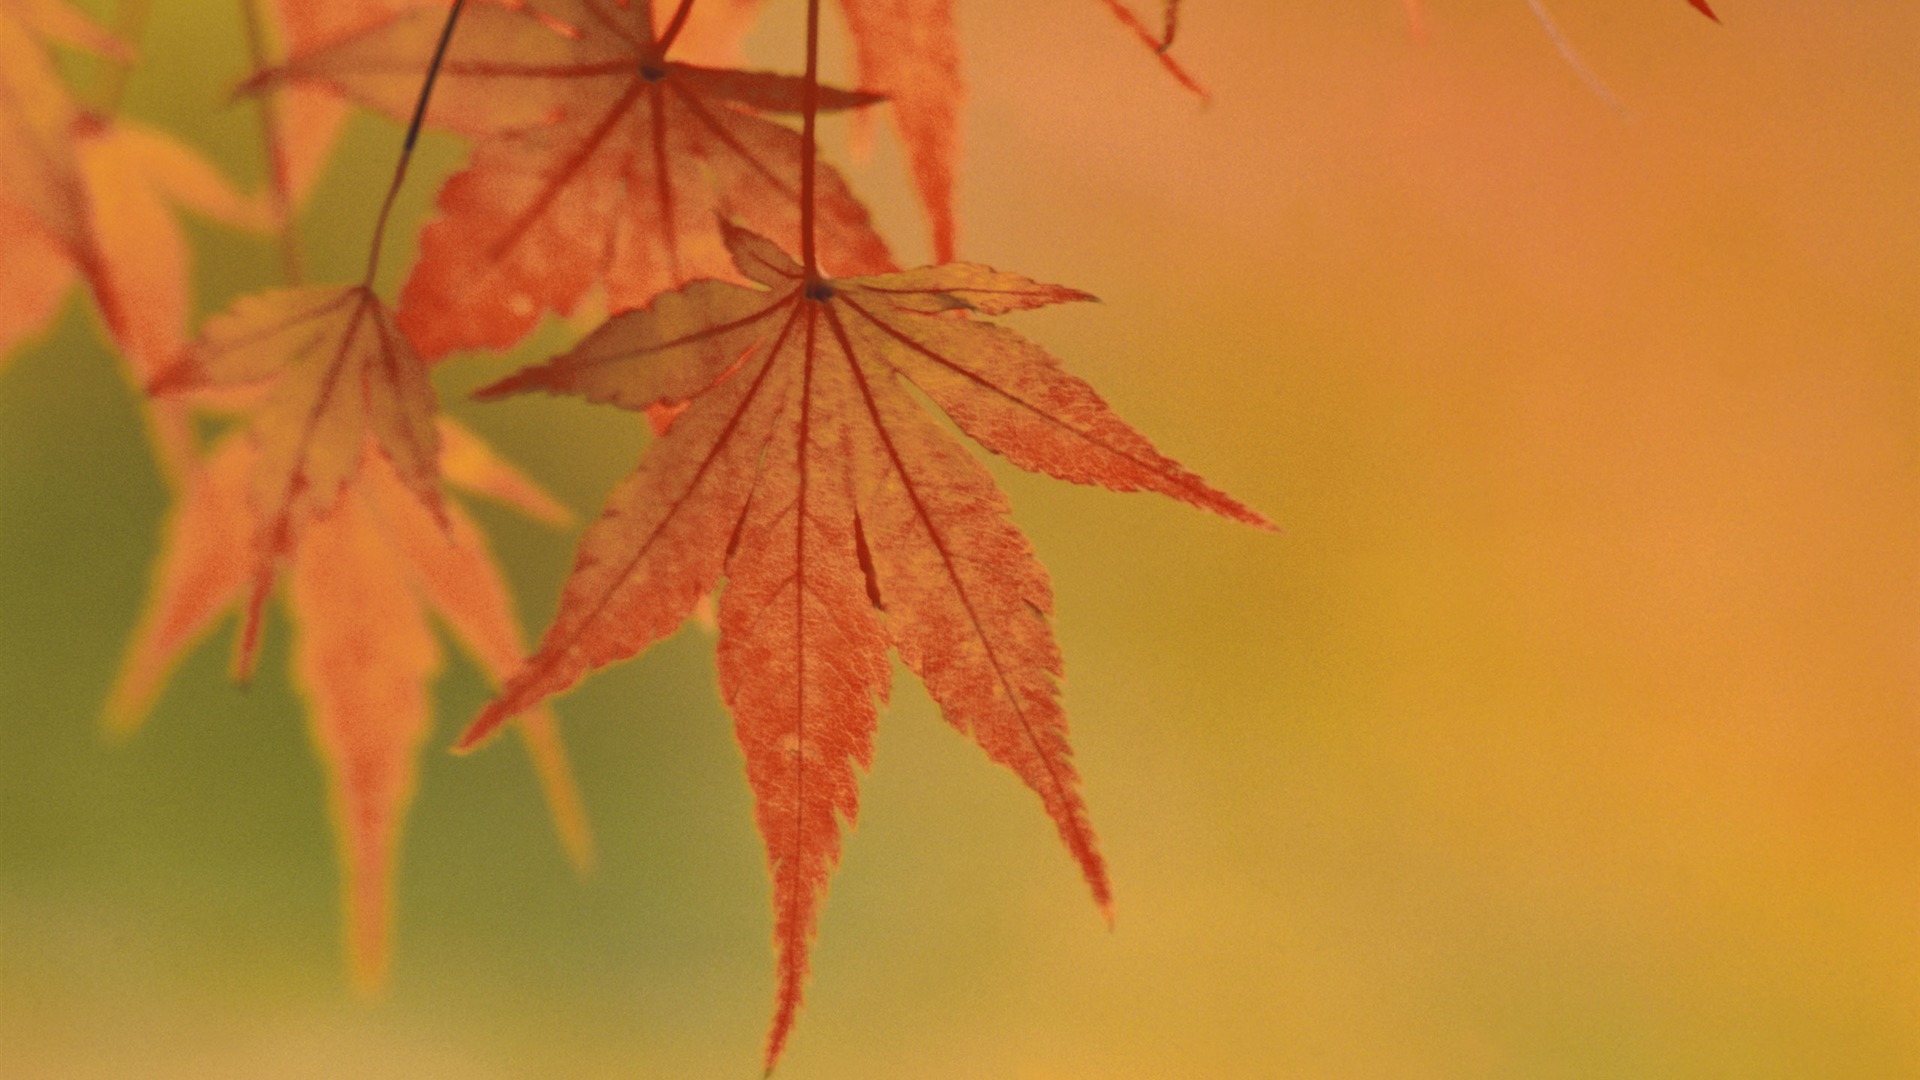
<point x="102" y="189"/>
<point x="92" y="198"/>
<point x="337" y="373"/>
<point x="844" y="521"/>
<point x="40" y="181"/>
<point x="598" y="161"/>
<point x="37" y="113"/>
<point x="361" y="582"/>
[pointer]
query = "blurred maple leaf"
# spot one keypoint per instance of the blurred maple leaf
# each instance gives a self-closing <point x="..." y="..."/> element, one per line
<point x="99" y="191"/>
<point x="337" y="375"/>
<point x="92" y="198"/>
<point x="845" y="521"/>
<point x="363" y="577"/>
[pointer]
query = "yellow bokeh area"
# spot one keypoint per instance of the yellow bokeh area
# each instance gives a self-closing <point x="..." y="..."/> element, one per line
<point x="1570" y="727"/>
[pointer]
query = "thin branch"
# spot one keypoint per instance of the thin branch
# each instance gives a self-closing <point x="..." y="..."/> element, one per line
<point x="674" y="26"/>
<point x="810" y="105"/>
<point x="413" y="136"/>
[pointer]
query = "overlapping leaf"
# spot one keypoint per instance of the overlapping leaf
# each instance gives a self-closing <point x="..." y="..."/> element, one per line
<point x="598" y="161"/>
<point x="38" y="170"/>
<point x="845" y="522"/>
<point x="363" y="577"/>
<point x="93" y="199"/>
<point x="336" y="374"/>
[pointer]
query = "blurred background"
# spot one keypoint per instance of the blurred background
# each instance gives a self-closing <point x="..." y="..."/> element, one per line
<point x="1571" y="728"/>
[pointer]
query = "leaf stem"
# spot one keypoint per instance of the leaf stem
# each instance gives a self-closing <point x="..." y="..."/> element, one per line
<point x="1171" y="24"/>
<point x="674" y="26"/>
<point x="279" y="184"/>
<point x="809" y="150"/>
<point x="406" y="147"/>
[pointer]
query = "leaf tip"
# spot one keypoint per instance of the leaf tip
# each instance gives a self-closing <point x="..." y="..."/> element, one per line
<point x="120" y="721"/>
<point x="491" y="719"/>
<point x="127" y="705"/>
<point x="517" y="383"/>
<point x="131" y="698"/>
<point x="178" y="377"/>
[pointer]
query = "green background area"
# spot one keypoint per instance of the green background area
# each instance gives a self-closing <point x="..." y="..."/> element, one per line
<point x="1568" y="729"/>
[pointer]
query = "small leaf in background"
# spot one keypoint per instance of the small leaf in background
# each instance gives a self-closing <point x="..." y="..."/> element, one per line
<point x="362" y="580"/>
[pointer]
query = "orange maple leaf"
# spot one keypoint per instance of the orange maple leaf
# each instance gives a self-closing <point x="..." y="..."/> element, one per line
<point x="90" y="197"/>
<point x="362" y="579"/>
<point x="598" y="161"/>
<point x="101" y="190"/>
<point x="336" y="374"/>
<point x="845" y="521"/>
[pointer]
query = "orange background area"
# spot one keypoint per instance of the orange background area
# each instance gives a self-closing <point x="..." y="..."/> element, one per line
<point x="1571" y="726"/>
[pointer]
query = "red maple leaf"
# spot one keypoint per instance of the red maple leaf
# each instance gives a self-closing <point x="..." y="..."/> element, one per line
<point x="844" y="521"/>
<point x="598" y="161"/>
<point x="363" y="577"/>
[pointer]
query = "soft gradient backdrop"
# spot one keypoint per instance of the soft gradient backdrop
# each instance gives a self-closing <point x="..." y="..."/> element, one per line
<point x="1570" y="729"/>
